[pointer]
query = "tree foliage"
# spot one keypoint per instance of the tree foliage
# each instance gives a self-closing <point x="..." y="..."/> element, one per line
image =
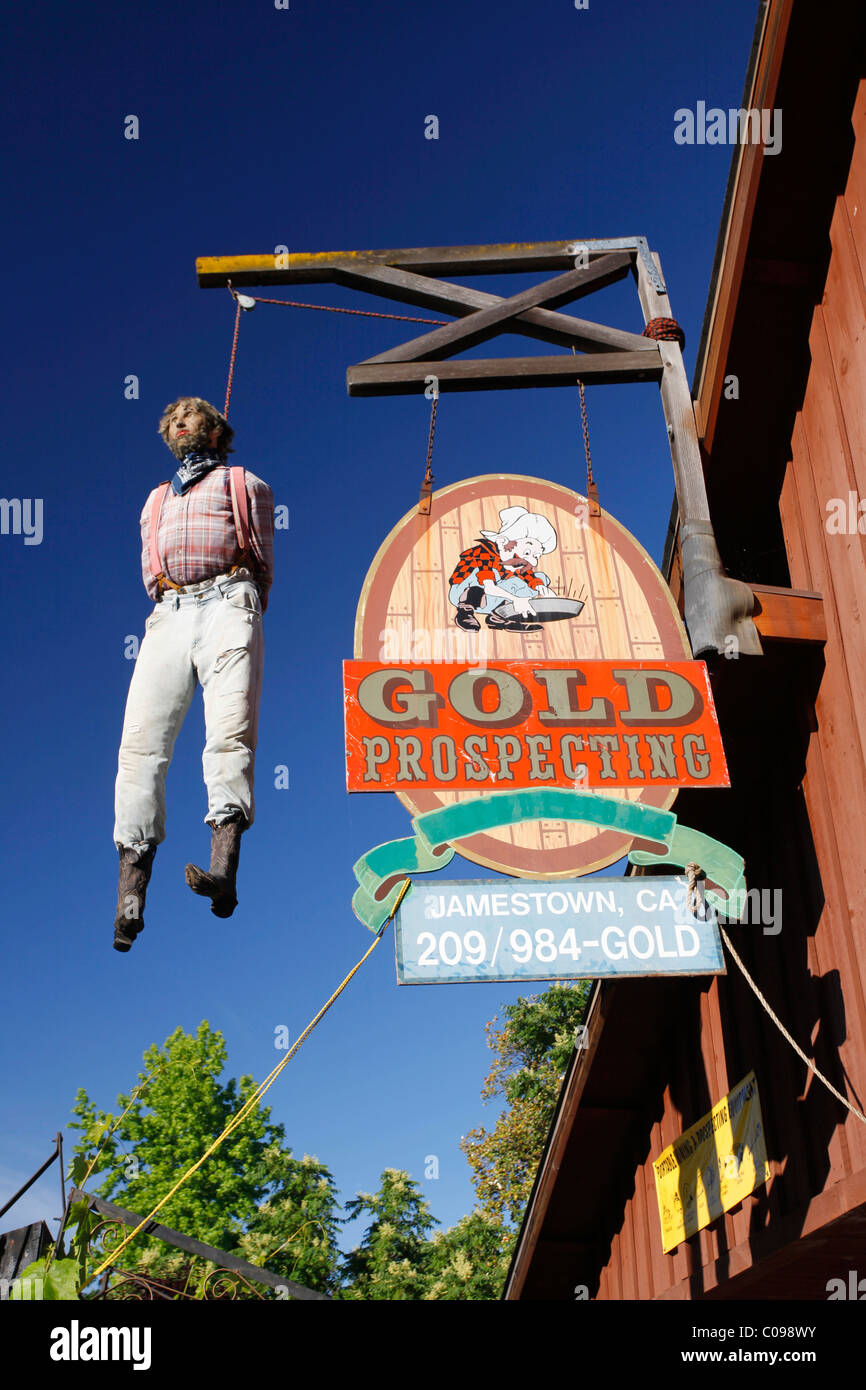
<point x="531" y="1048"/>
<point x="294" y="1232"/>
<point x="253" y="1198"/>
<point x="469" y="1261"/>
<point x="249" y="1196"/>
<point x="392" y="1260"/>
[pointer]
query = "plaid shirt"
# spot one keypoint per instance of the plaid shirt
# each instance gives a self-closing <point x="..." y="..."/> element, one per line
<point x="484" y="561"/>
<point x="197" y="536"/>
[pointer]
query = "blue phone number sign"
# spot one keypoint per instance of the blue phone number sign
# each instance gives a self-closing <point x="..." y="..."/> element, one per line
<point x="470" y="930"/>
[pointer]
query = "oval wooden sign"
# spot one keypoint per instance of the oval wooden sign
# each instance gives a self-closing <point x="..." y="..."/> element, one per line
<point x="408" y="612"/>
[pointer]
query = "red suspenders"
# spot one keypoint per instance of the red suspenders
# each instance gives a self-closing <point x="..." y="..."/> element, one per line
<point x="240" y="510"/>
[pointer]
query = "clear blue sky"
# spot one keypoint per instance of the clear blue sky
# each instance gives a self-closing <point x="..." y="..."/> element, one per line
<point x="303" y="127"/>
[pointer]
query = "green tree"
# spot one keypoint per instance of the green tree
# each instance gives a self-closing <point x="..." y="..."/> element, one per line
<point x="469" y="1261"/>
<point x="531" y="1050"/>
<point x="392" y="1260"/>
<point x="245" y="1189"/>
<point x="294" y="1231"/>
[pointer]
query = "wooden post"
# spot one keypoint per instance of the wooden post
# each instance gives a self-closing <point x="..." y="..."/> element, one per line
<point x="717" y="608"/>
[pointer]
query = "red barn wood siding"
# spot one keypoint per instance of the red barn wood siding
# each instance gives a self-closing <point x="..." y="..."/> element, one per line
<point x="812" y="972"/>
<point x="794" y="725"/>
<point x="828" y="460"/>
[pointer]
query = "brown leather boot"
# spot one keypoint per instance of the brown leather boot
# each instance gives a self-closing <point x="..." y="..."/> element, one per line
<point x="133" y="878"/>
<point x="219" y="884"/>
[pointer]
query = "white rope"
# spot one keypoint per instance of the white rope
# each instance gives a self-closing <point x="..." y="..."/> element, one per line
<point x="783" y="1030"/>
<point x="693" y="871"/>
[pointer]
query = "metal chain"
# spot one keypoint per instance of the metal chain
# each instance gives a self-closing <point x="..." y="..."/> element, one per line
<point x="299" y="304"/>
<point x="591" y="489"/>
<point x="332" y="309"/>
<point x="428" y="475"/>
<point x="590" y="481"/>
<point x="427" y="485"/>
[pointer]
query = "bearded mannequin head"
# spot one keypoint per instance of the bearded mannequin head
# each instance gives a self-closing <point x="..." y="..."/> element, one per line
<point x="192" y="425"/>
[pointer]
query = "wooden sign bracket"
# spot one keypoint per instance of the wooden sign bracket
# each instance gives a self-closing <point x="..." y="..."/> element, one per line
<point x="718" y="609"/>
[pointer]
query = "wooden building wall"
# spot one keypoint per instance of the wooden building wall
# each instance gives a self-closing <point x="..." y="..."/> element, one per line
<point x="828" y="461"/>
<point x="801" y="824"/>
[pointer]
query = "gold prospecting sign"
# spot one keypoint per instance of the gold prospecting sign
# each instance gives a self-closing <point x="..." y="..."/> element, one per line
<point x="428" y="597"/>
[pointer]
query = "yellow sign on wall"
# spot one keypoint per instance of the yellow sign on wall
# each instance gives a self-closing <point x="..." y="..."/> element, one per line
<point x="713" y="1165"/>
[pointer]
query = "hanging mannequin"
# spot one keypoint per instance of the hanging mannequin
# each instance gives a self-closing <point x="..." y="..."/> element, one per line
<point x="207" y="561"/>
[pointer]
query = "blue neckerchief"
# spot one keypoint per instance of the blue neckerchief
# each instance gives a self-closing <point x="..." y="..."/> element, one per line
<point x="194" y="467"/>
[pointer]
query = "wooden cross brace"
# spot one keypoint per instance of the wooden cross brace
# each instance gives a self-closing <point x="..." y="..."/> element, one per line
<point x="410" y="276"/>
<point x="717" y="608"/>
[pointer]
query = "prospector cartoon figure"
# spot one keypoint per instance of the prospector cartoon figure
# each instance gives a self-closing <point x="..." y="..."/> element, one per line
<point x="207" y="561"/>
<point x="501" y="568"/>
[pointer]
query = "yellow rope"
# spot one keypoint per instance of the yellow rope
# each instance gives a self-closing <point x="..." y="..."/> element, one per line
<point x="256" y="1095"/>
<point x="134" y="1097"/>
<point x="92" y="1164"/>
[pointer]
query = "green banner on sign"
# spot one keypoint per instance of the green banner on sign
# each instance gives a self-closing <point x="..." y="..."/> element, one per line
<point x="382" y="870"/>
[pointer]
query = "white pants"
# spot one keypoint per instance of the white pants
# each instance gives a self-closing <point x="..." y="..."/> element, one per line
<point x="214" y="637"/>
